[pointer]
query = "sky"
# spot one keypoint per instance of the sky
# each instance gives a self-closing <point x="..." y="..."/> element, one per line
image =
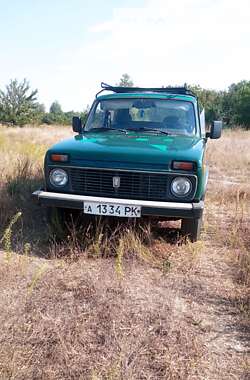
<point x="65" y="48"/>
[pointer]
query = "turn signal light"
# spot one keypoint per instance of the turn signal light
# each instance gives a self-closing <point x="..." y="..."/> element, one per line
<point x="183" y="165"/>
<point x="59" y="157"/>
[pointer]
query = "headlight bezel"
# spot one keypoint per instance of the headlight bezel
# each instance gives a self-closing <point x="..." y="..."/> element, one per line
<point x="62" y="171"/>
<point x="185" y="195"/>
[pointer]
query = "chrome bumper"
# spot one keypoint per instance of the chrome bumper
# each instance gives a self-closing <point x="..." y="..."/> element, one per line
<point x="154" y="208"/>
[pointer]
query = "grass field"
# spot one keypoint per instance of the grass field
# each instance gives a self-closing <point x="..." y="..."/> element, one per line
<point x="130" y="302"/>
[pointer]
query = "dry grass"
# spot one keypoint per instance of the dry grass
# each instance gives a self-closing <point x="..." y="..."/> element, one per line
<point x="78" y="323"/>
<point x="229" y="157"/>
<point x="21" y="172"/>
<point x="123" y="301"/>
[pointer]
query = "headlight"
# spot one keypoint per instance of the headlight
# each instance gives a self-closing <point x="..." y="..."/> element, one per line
<point x="58" y="177"/>
<point x="181" y="186"/>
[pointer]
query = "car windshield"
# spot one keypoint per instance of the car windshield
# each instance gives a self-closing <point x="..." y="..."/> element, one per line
<point x="152" y="115"/>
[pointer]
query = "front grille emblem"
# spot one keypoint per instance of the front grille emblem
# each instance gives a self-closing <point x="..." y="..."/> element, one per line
<point x="116" y="182"/>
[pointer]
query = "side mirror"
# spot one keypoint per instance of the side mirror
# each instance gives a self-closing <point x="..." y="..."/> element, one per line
<point x="77" y="124"/>
<point x="215" y="131"/>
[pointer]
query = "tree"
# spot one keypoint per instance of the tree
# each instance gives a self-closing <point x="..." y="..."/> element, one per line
<point x="18" y="104"/>
<point x="69" y="115"/>
<point x="126" y="81"/>
<point x="237" y="103"/>
<point x="55" y="115"/>
<point x="55" y="108"/>
<point x="211" y="100"/>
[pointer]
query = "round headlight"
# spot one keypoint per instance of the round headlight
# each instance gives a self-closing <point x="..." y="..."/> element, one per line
<point x="181" y="186"/>
<point x="58" y="177"/>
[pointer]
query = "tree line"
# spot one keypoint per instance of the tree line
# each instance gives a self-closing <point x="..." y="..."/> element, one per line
<point x="19" y="105"/>
<point x="231" y="106"/>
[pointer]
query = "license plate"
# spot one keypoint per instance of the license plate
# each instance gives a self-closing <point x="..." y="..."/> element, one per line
<point x="110" y="209"/>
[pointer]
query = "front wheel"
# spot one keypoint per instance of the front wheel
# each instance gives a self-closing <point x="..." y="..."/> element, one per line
<point x="191" y="228"/>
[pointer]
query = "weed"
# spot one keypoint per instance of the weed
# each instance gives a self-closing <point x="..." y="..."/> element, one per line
<point x="36" y="277"/>
<point x="97" y="246"/>
<point x="119" y="258"/>
<point x="24" y="258"/>
<point x="6" y="239"/>
<point x="27" y="248"/>
<point x="166" y="265"/>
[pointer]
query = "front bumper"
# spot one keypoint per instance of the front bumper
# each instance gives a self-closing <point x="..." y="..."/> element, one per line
<point x="152" y="208"/>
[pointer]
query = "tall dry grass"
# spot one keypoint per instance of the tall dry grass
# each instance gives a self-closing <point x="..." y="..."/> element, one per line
<point x="21" y="172"/>
<point x="106" y="302"/>
<point x="229" y="157"/>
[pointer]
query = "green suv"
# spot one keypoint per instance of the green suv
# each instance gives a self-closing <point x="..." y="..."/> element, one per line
<point x="140" y="153"/>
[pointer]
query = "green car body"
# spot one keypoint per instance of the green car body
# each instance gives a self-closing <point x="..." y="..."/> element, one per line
<point x="135" y="154"/>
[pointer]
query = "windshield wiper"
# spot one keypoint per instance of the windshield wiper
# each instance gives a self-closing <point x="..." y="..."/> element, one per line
<point x="107" y="130"/>
<point x="149" y="130"/>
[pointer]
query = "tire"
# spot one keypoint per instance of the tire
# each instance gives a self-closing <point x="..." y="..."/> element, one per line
<point x="191" y="228"/>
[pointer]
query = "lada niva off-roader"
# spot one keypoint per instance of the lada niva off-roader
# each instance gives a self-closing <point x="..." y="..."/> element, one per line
<point x="140" y="153"/>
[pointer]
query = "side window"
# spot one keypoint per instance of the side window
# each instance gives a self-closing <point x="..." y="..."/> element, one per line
<point x="102" y="118"/>
<point x="98" y="117"/>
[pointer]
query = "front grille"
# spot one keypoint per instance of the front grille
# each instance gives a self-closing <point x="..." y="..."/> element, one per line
<point x="133" y="185"/>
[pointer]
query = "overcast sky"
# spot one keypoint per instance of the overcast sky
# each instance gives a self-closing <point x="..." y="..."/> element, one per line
<point x="65" y="48"/>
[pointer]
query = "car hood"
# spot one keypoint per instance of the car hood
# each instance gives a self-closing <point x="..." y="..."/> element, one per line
<point x="130" y="150"/>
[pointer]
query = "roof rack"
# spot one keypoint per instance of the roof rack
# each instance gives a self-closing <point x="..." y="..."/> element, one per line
<point x="173" y="90"/>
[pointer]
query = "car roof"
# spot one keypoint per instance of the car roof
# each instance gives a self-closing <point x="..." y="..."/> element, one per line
<point x="120" y="92"/>
<point x="148" y="94"/>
